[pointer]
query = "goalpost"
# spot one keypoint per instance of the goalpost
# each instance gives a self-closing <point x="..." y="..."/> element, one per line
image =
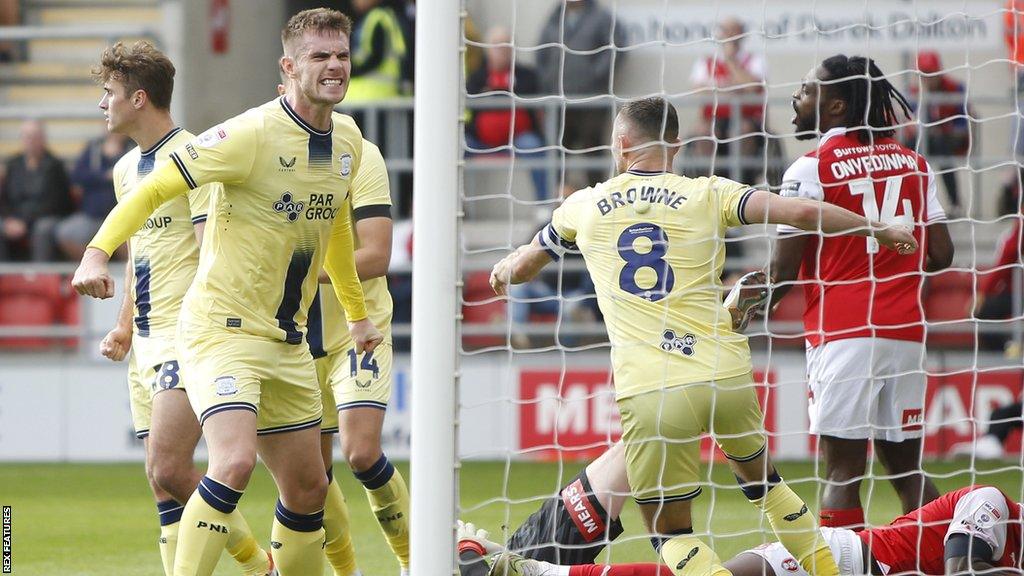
<point x="538" y="390"/>
<point x="434" y="312"/>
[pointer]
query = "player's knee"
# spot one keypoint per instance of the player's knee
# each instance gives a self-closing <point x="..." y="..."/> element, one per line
<point x="306" y="493"/>
<point x="170" y="478"/>
<point x="361" y="457"/>
<point x="234" y="469"/>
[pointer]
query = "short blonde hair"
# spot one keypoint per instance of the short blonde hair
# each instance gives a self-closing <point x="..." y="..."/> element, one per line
<point x="139" y="67"/>
<point x="318" y="19"/>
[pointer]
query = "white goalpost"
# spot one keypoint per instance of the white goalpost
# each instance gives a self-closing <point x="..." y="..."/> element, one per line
<point x="434" y="311"/>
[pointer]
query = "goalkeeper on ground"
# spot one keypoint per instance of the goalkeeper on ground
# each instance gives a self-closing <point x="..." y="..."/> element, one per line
<point x="654" y="244"/>
<point x="974" y="528"/>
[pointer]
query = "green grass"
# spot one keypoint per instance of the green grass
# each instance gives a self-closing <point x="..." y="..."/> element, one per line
<point x="100" y="519"/>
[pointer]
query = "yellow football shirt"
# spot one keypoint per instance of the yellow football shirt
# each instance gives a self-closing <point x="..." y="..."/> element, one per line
<point x="284" y="200"/>
<point x="164" y="251"/>
<point x="327" y="327"/>
<point x="654" y="246"/>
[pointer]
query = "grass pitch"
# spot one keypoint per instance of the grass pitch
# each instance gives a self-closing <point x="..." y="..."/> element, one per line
<point x="71" y="519"/>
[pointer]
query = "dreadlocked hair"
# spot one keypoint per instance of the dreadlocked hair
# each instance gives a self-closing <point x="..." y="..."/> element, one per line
<point x="871" y="100"/>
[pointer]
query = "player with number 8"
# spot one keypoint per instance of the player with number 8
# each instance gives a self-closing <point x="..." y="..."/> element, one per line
<point x="654" y="244"/>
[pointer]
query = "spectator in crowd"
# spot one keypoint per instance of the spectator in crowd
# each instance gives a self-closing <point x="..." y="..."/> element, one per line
<point x="93" y="189"/>
<point x="495" y="127"/>
<point x="730" y="73"/>
<point x="9" y="16"/>
<point x="581" y="63"/>
<point x="378" y="49"/>
<point x="1013" y="33"/>
<point x="990" y="445"/>
<point x="996" y="287"/>
<point x="943" y="114"/>
<point x="34" y="196"/>
<point x="407" y="18"/>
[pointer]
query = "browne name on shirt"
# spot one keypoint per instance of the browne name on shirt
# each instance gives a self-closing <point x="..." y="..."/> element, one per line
<point x="650" y="194"/>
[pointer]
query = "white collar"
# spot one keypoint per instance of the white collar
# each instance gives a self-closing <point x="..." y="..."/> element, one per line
<point x="837" y="131"/>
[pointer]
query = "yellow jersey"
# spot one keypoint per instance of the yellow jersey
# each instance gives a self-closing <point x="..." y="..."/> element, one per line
<point x="164" y="252"/>
<point x="654" y="244"/>
<point x="327" y="328"/>
<point x="284" y="203"/>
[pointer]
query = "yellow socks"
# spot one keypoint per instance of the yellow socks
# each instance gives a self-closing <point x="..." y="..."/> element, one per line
<point x="205" y="524"/>
<point x="339" y="550"/>
<point x="686" y="555"/>
<point x="252" y="559"/>
<point x="389" y="500"/>
<point x="797" y="529"/>
<point x="298" y="542"/>
<point x="170" y="518"/>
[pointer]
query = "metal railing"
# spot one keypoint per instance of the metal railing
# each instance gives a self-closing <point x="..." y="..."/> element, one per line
<point x="544" y="334"/>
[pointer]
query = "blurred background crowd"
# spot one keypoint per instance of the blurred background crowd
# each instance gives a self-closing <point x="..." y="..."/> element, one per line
<point x="541" y="81"/>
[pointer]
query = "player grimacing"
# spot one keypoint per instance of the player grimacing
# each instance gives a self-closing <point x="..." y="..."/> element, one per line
<point x="282" y="214"/>
<point x="138" y="83"/>
<point x="653" y="243"/>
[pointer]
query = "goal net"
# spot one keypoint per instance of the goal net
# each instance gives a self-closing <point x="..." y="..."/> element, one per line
<point x="542" y="81"/>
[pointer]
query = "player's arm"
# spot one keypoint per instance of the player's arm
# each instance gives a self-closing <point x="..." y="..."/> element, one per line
<point x="976" y="531"/>
<point x="91" y="278"/>
<point x="967" y="555"/>
<point x="374" y="253"/>
<point x="551" y="243"/>
<point x="522" y="265"/>
<point x="787" y="255"/>
<point x="940" y="245"/>
<point x="813" y="216"/>
<point x="116" y="344"/>
<point x="341" y="267"/>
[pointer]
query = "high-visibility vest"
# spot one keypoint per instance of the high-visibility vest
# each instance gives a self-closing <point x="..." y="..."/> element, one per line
<point x="385" y="80"/>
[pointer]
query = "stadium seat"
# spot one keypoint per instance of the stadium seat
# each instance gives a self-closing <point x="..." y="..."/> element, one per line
<point x="49" y="286"/>
<point x="26" y="310"/>
<point x="479" y="306"/>
<point x="948" y="297"/>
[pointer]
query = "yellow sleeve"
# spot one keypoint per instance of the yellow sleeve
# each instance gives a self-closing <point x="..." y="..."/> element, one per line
<point x="730" y="199"/>
<point x="224" y="153"/>
<point x="559" y="236"/>
<point x="130" y="214"/>
<point x="199" y="202"/>
<point x="340" y="263"/>
<point x="370" y="186"/>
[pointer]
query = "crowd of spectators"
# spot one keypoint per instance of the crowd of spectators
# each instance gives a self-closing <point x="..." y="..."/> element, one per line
<point x="46" y="214"/>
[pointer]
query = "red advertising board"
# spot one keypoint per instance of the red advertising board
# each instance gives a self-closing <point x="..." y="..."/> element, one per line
<point x="572" y="414"/>
<point x="957" y="404"/>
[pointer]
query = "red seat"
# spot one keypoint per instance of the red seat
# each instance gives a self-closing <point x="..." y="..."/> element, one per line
<point x="46" y="285"/>
<point x="949" y="297"/>
<point x="481" y="306"/>
<point x="26" y="310"/>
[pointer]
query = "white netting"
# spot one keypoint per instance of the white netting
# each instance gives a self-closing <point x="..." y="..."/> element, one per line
<point x="535" y="370"/>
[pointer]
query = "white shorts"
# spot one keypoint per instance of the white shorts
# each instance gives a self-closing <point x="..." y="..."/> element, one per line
<point x="846" y="548"/>
<point x="864" y="388"/>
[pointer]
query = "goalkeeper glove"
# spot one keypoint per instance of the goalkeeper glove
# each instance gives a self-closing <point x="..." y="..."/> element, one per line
<point x="746" y="299"/>
<point x="472" y="538"/>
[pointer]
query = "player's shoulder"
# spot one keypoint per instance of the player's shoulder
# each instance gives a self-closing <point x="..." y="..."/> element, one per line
<point x="371" y="154"/>
<point x="129" y="159"/>
<point x="804" y="168"/>
<point x="345" y="127"/>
